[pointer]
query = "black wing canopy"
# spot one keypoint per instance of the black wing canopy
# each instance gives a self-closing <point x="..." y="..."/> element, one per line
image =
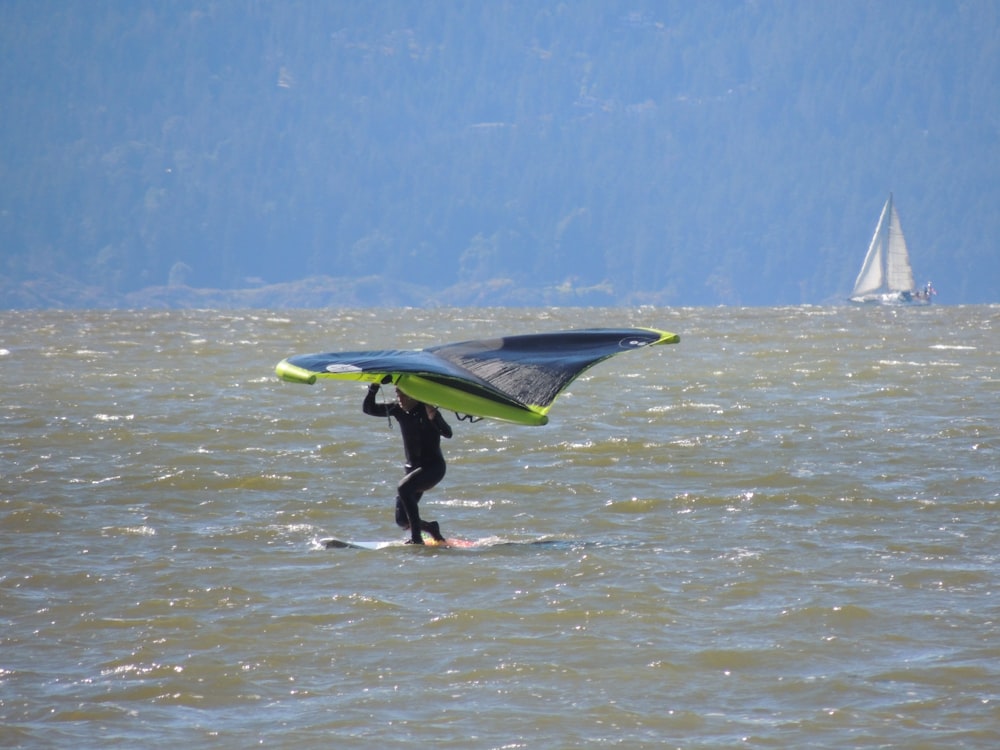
<point x="535" y="368"/>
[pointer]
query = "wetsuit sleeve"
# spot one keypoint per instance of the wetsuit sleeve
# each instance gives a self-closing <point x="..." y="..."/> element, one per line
<point x="443" y="428"/>
<point x="371" y="406"/>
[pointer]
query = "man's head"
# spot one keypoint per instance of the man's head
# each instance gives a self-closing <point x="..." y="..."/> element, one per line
<point x="405" y="401"/>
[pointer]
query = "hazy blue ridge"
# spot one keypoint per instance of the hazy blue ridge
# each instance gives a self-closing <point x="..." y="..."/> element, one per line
<point x="216" y="153"/>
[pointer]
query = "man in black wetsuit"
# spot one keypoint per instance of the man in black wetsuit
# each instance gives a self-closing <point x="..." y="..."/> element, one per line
<point x="422" y="427"/>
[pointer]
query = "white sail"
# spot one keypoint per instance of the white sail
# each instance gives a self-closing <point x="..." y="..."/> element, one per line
<point x="899" y="276"/>
<point x="872" y="275"/>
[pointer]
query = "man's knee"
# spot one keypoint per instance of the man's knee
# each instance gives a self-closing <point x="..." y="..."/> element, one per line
<point x="402" y="520"/>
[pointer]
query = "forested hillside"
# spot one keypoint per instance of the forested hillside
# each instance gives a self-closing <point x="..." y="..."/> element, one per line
<point x="446" y="152"/>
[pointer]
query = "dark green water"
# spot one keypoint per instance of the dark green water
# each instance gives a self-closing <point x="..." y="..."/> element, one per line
<point x="781" y="532"/>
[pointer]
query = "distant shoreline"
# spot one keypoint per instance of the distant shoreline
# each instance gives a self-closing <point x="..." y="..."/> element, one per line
<point x="58" y="292"/>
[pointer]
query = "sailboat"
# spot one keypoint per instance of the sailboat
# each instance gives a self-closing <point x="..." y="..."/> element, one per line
<point x="886" y="277"/>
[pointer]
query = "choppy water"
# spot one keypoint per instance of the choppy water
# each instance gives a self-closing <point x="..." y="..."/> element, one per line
<point x="781" y="532"/>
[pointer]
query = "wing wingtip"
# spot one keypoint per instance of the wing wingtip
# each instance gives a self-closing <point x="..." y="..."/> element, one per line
<point x="666" y="337"/>
<point x="290" y="373"/>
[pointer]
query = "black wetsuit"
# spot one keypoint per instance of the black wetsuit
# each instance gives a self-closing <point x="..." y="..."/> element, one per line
<point x="425" y="465"/>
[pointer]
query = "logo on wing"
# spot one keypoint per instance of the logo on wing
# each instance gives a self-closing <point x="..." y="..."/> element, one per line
<point x="632" y="343"/>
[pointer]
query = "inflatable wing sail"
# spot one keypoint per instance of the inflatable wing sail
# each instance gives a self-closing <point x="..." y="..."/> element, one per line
<point x="514" y="378"/>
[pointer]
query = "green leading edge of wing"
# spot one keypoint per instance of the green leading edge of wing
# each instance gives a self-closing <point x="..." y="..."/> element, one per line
<point x="513" y="378"/>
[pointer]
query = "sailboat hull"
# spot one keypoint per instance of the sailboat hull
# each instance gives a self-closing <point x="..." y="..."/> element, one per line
<point x="893" y="298"/>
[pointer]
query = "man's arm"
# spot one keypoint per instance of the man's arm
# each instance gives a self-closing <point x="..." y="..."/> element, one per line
<point x="438" y="421"/>
<point x="371" y="406"/>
